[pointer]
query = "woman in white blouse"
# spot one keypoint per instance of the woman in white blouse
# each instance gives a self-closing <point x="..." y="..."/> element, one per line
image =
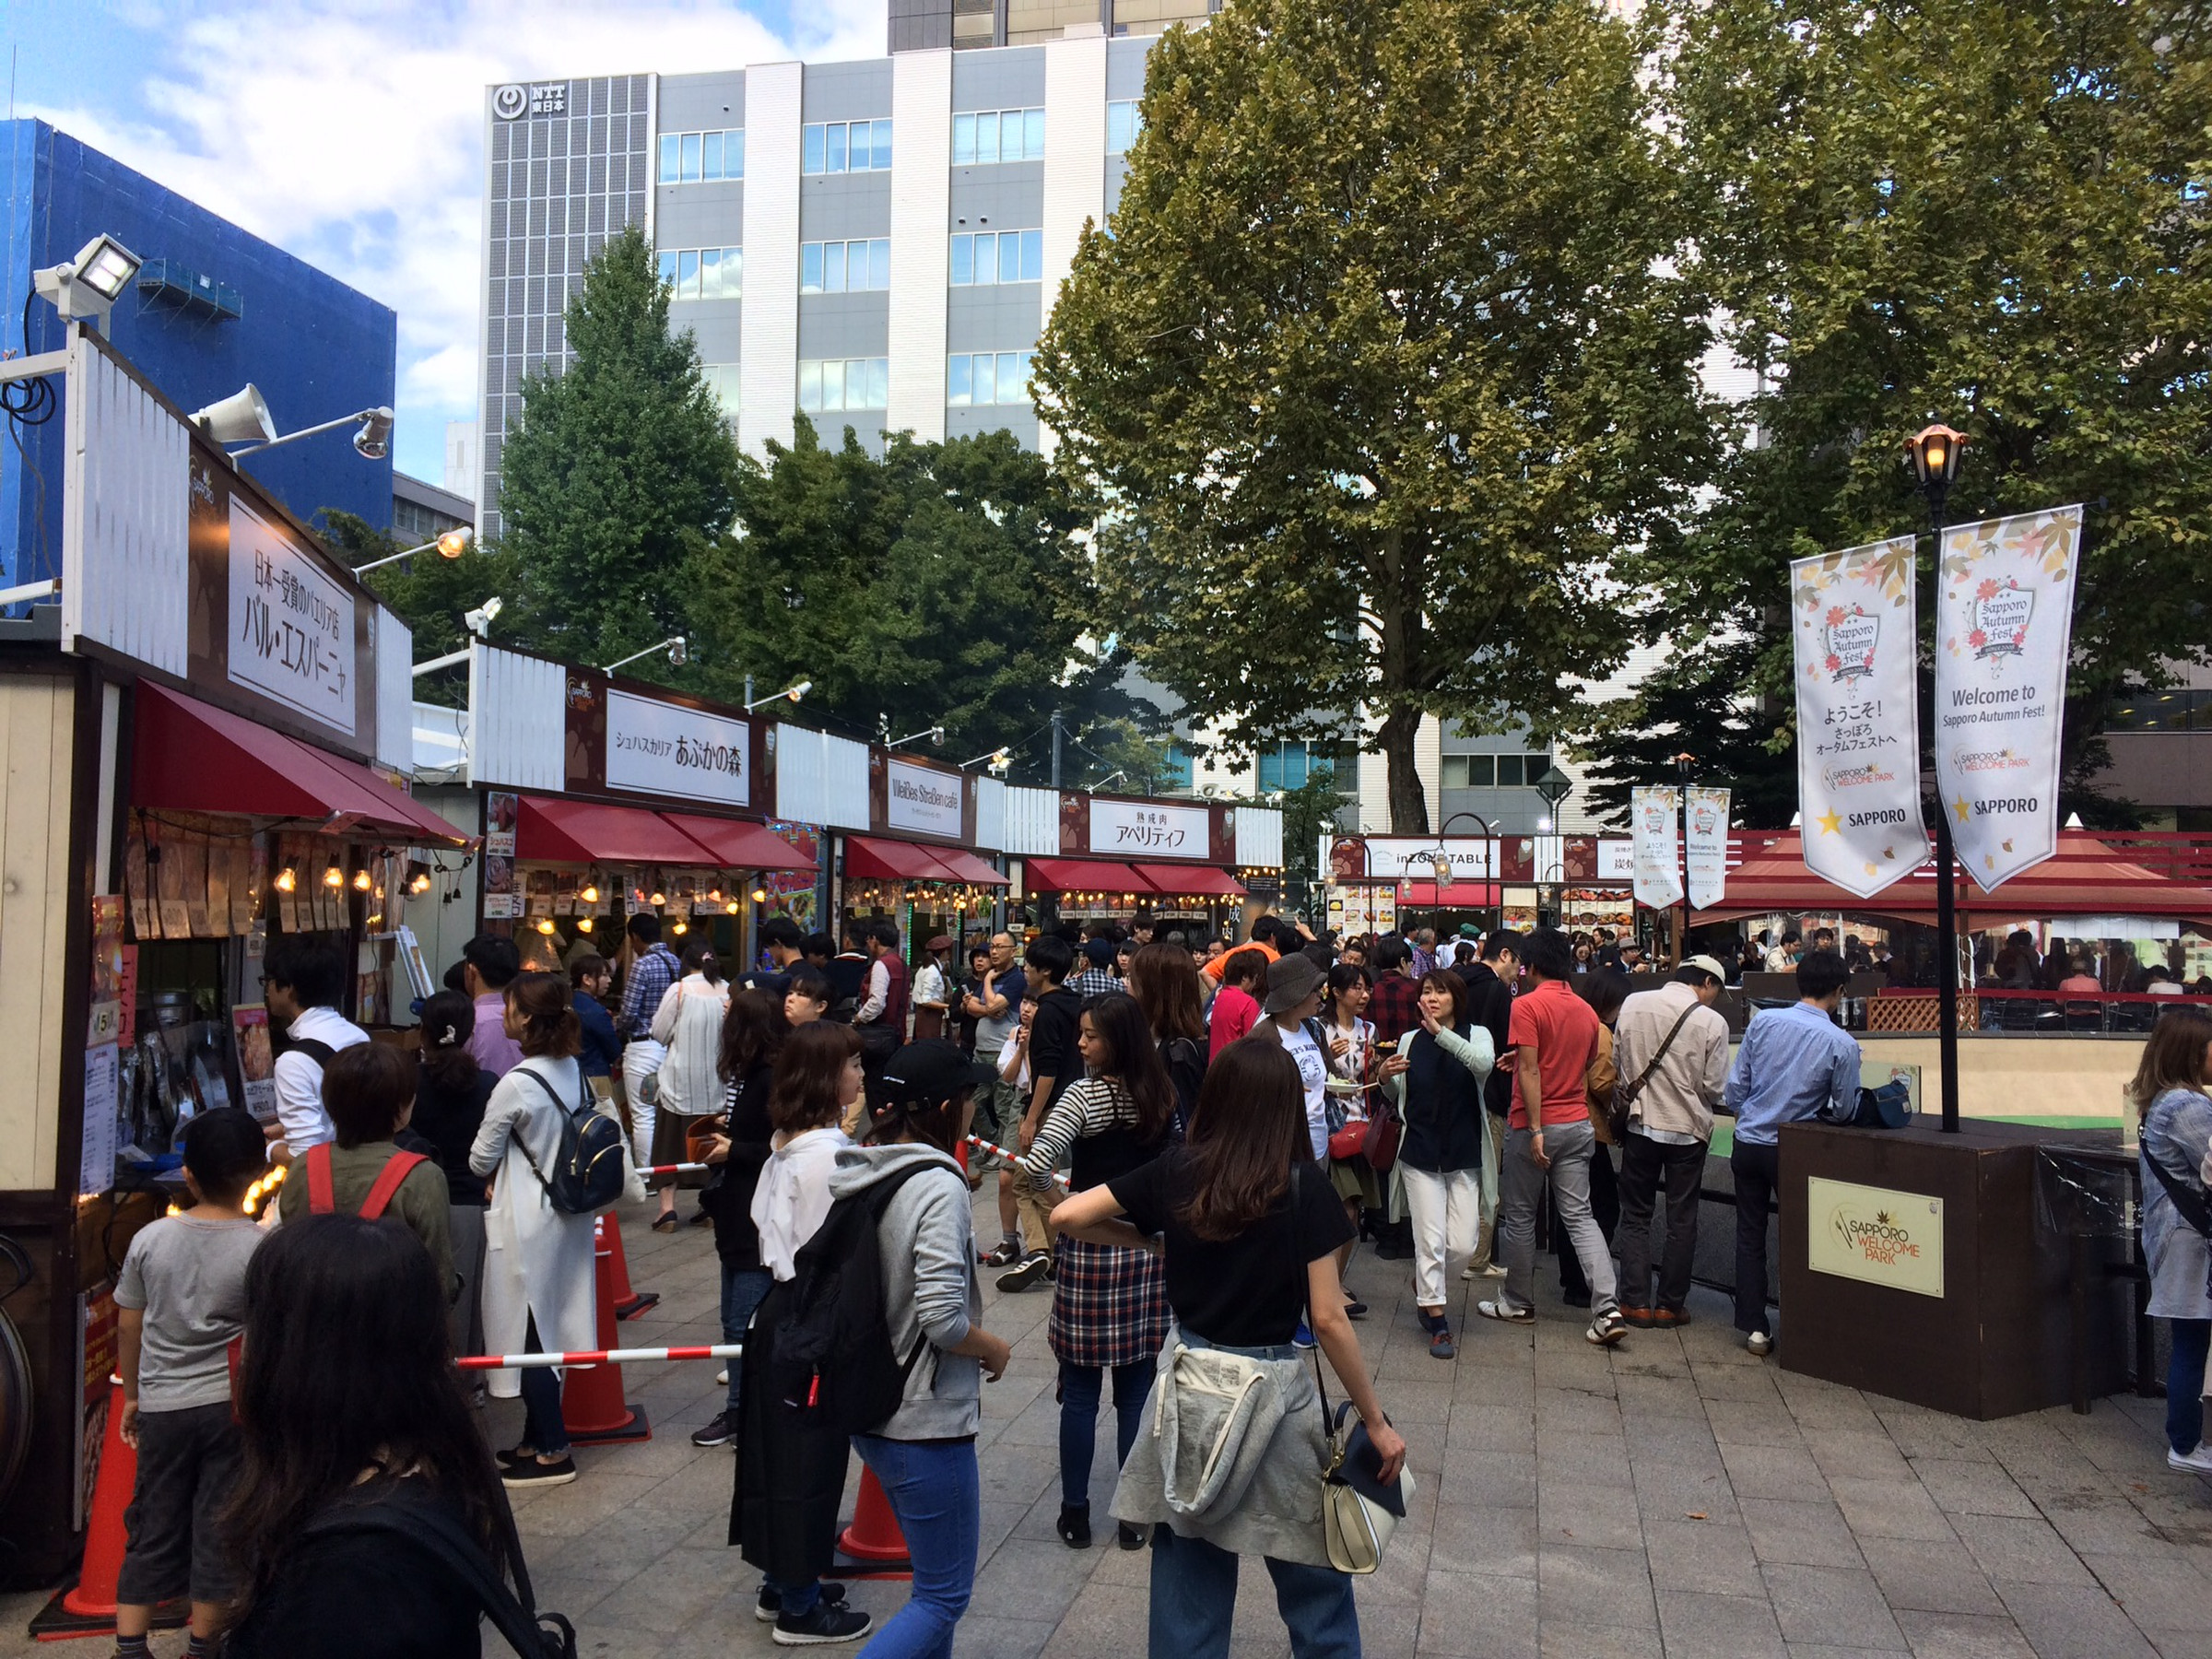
<point x="689" y="1024"/>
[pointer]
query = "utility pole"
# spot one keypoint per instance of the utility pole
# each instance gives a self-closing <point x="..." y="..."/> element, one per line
<point x="1056" y="749"/>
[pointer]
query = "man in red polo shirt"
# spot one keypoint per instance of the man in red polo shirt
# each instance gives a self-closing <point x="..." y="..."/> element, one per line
<point x="1554" y="1035"/>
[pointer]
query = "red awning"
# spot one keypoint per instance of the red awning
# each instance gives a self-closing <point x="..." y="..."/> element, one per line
<point x="188" y="756"/>
<point x="1083" y="876"/>
<point x="739" y="845"/>
<point x="1189" y="881"/>
<point x="1452" y="895"/>
<point x="878" y="858"/>
<point x="2084" y="877"/>
<point x="554" y="830"/>
<point x="968" y="867"/>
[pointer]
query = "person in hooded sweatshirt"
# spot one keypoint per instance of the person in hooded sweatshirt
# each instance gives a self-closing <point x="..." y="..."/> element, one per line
<point x="925" y="1453"/>
<point x="791" y="1478"/>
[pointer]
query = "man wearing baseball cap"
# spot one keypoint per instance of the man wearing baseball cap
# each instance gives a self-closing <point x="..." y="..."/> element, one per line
<point x="1671" y="1046"/>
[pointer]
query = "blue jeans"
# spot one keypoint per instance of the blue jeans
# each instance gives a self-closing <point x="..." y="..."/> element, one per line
<point x="742" y="1290"/>
<point x="1194" y="1597"/>
<point x="544" y="1428"/>
<point x="936" y="1495"/>
<point x="2186" y="1384"/>
<point x="1080" y="1386"/>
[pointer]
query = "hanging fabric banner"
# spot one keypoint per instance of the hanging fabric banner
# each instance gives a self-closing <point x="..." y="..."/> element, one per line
<point x="1652" y="815"/>
<point x="1858" y="715"/>
<point x="1707" y="812"/>
<point x="2003" y="627"/>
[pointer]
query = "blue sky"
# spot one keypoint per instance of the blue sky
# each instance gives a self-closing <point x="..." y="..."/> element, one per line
<point x="351" y="134"/>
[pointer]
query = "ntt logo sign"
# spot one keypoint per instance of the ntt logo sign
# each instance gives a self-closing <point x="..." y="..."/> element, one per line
<point x="517" y="99"/>
<point x="510" y="102"/>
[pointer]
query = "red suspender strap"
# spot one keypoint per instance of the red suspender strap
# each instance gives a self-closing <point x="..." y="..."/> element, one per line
<point x="396" y="1168"/>
<point x="321" y="1200"/>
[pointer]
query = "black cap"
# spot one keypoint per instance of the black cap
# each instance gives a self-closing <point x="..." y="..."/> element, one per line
<point x="929" y="1073"/>
<point x="1101" y="951"/>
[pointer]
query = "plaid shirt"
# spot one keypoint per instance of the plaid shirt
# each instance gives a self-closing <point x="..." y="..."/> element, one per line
<point x="1395" y="1007"/>
<point x="650" y="977"/>
<point x="1093" y="982"/>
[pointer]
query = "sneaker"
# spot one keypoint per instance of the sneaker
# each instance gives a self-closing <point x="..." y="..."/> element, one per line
<point x="721" y="1379"/>
<point x="537" y="1474"/>
<point x="1505" y="1315"/>
<point x="1005" y="1256"/>
<point x="507" y="1460"/>
<point x="1032" y="1271"/>
<point x="2198" y="1462"/>
<point x="719" y="1430"/>
<point x="1482" y="1270"/>
<point x="1667" y="1319"/>
<point x="1439" y="1343"/>
<point x="1758" y="1345"/>
<point x="1606" y="1329"/>
<point x="828" y="1622"/>
<point x="770" y="1607"/>
<point x="1643" y="1319"/>
<point x="1303" y="1337"/>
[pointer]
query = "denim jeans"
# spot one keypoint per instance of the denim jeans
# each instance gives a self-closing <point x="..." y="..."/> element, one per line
<point x="1757" y="1172"/>
<point x="1522" y="1182"/>
<point x="544" y="1428"/>
<point x="936" y="1493"/>
<point x="1080" y="1386"/>
<point x="1645" y="1163"/>
<point x="2186" y="1384"/>
<point x="1195" y="1598"/>
<point x="742" y="1290"/>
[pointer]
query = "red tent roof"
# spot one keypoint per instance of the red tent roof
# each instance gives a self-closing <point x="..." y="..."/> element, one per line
<point x="2084" y="877"/>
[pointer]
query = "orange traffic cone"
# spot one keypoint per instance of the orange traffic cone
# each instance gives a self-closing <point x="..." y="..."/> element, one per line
<point x="591" y="1399"/>
<point x="629" y="1304"/>
<point x="873" y="1546"/>
<point x="87" y="1607"/>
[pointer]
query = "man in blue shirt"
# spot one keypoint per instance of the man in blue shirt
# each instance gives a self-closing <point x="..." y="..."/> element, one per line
<point x="1795" y="1063"/>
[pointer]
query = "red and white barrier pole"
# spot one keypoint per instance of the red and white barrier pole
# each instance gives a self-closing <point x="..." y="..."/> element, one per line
<point x="1015" y="1158"/>
<point x="720" y="1350"/>
<point x="677" y="1168"/>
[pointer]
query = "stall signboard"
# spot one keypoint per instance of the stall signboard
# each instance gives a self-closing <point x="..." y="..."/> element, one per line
<point x="275" y="629"/>
<point x="920" y="800"/>
<point x="1876" y="1235"/>
<point x="502" y="895"/>
<point x="625" y="738"/>
<point x="1412" y="858"/>
<point x="1617" y="860"/>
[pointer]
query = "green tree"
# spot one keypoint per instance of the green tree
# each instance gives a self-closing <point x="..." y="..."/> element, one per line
<point x="941" y="584"/>
<point x="621" y="469"/>
<point x="428" y="593"/>
<point x="1997" y="216"/>
<point x="1390" y="350"/>
<point x="1309" y="811"/>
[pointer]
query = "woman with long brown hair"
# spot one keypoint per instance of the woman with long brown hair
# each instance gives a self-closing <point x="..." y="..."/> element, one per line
<point x="1248" y="1228"/>
<point x="1167" y="987"/>
<point x="2171" y="1097"/>
<point x="1110" y="1302"/>
<point x="451" y="1093"/>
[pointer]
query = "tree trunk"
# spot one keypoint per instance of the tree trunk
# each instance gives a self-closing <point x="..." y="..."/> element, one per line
<point x="1408" y="805"/>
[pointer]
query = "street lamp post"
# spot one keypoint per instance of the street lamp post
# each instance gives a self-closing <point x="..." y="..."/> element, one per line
<point x="1490" y="839"/>
<point x="1935" y="457"/>
<point x="1552" y="787"/>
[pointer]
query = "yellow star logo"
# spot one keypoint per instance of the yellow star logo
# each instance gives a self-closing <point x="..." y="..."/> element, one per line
<point x="1830" y="823"/>
<point x="1960" y="808"/>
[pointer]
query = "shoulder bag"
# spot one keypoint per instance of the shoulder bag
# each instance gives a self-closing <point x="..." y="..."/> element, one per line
<point x="1623" y="1101"/>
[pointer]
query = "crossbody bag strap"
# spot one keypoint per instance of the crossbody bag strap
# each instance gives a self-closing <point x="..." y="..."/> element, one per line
<point x="2193" y="1205"/>
<point x="1674" y="1031"/>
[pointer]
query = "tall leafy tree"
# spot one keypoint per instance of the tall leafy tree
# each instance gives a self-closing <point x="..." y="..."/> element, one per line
<point x="943" y="583"/>
<point x="1389" y="351"/>
<point x="621" y="469"/>
<point x="1995" y="215"/>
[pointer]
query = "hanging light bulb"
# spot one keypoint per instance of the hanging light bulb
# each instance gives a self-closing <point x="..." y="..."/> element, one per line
<point x="333" y="874"/>
<point x="732" y="906"/>
<point x="760" y="895"/>
<point x="362" y="881"/>
<point x="591" y="889"/>
<point x="657" y="898"/>
<point x="680" y="929"/>
<point x="583" y="925"/>
<point x="545" y="924"/>
<point x="418" y="878"/>
<point x="287" y="880"/>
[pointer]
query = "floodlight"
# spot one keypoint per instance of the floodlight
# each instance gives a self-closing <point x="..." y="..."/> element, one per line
<point x="89" y="286"/>
<point x="479" y="620"/>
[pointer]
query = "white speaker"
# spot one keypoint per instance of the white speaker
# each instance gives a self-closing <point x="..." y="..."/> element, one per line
<point x="242" y="418"/>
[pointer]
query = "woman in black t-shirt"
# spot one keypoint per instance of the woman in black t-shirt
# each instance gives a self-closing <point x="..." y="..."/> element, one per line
<point x="451" y="1092"/>
<point x="1250" y="1228"/>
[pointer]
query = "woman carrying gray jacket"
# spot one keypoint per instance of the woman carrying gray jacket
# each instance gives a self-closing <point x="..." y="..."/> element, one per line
<point x="924" y="1454"/>
<point x="1249" y="1227"/>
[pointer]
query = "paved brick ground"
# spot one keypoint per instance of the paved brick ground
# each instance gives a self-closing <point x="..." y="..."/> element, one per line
<point x="1672" y="1497"/>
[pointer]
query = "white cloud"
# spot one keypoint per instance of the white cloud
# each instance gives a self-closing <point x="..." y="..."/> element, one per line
<point x="353" y="137"/>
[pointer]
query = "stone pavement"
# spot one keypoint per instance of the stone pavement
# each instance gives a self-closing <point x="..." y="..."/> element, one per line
<point x="1671" y="1497"/>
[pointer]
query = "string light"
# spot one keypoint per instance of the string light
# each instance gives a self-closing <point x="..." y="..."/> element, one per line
<point x="361" y="880"/>
<point x="591" y="889"/>
<point x="333" y="874"/>
<point x="263" y="1186"/>
<point x="680" y="929"/>
<point x="545" y="924"/>
<point x="759" y="897"/>
<point x="287" y="880"/>
<point x="583" y="925"/>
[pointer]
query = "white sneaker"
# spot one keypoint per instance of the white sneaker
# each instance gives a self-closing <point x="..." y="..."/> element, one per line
<point x="1758" y="1345"/>
<point x="721" y="1379"/>
<point x="1487" y="1270"/>
<point x="2198" y="1462"/>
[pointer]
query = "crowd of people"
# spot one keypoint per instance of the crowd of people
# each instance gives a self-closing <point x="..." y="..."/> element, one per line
<point x="1188" y="1144"/>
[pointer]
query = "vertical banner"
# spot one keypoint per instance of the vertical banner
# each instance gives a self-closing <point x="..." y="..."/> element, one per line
<point x="1652" y="817"/>
<point x="1707" y="810"/>
<point x="1858" y="715"/>
<point x="2004" y="622"/>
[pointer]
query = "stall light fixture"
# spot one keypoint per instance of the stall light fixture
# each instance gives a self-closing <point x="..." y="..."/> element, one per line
<point x="419" y="877"/>
<point x="680" y="929"/>
<point x="677" y="646"/>
<point x="591" y="889"/>
<point x="657" y="898"/>
<point x="288" y="879"/>
<point x="583" y="925"/>
<point x="452" y="544"/>
<point x="362" y="881"/>
<point x="333" y="874"/>
<point x="545" y="924"/>
<point x="373" y="438"/>
<point x="732" y="906"/>
<point x="89" y="286"/>
<point x="760" y="895"/>
<point x="935" y="734"/>
<point x="794" y="692"/>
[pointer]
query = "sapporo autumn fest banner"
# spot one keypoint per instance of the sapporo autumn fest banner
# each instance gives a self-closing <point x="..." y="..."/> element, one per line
<point x="2004" y="628"/>
<point x="1858" y="715"/>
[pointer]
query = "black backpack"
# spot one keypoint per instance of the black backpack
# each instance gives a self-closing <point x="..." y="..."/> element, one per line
<point x="829" y="1355"/>
<point x="587" y="1167"/>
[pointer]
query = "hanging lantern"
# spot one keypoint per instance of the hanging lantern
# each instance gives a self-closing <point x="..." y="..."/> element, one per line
<point x="287" y="880"/>
<point x="333" y="874"/>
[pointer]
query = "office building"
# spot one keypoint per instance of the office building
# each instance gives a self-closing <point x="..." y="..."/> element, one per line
<point x="966" y="25"/>
<point x="421" y="511"/>
<point x="211" y="309"/>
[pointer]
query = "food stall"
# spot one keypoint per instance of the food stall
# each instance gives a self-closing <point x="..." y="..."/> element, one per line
<point x="1174" y="862"/>
<point x="913" y="867"/>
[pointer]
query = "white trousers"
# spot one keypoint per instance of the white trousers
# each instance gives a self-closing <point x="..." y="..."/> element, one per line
<point x="640" y="1063"/>
<point x="1446" y="1212"/>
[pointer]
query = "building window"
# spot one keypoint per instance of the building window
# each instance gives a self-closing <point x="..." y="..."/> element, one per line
<point x="721" y="381"/>
<point x="844" y="267"/>
<point x="701" y="157"/>
<point x="703" y="273"/>
<point x="1493" y="771"/>
<point x="1284" y="766"/>
<point x="839" y="146"/>
<point x="987" y="256"/>
<point x="1176" y="769"/>
<point x="1123" y="124"/>
<point x="850" y="384"/>
<point x="992" y="136"/>
<point x="988" y="376"/>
